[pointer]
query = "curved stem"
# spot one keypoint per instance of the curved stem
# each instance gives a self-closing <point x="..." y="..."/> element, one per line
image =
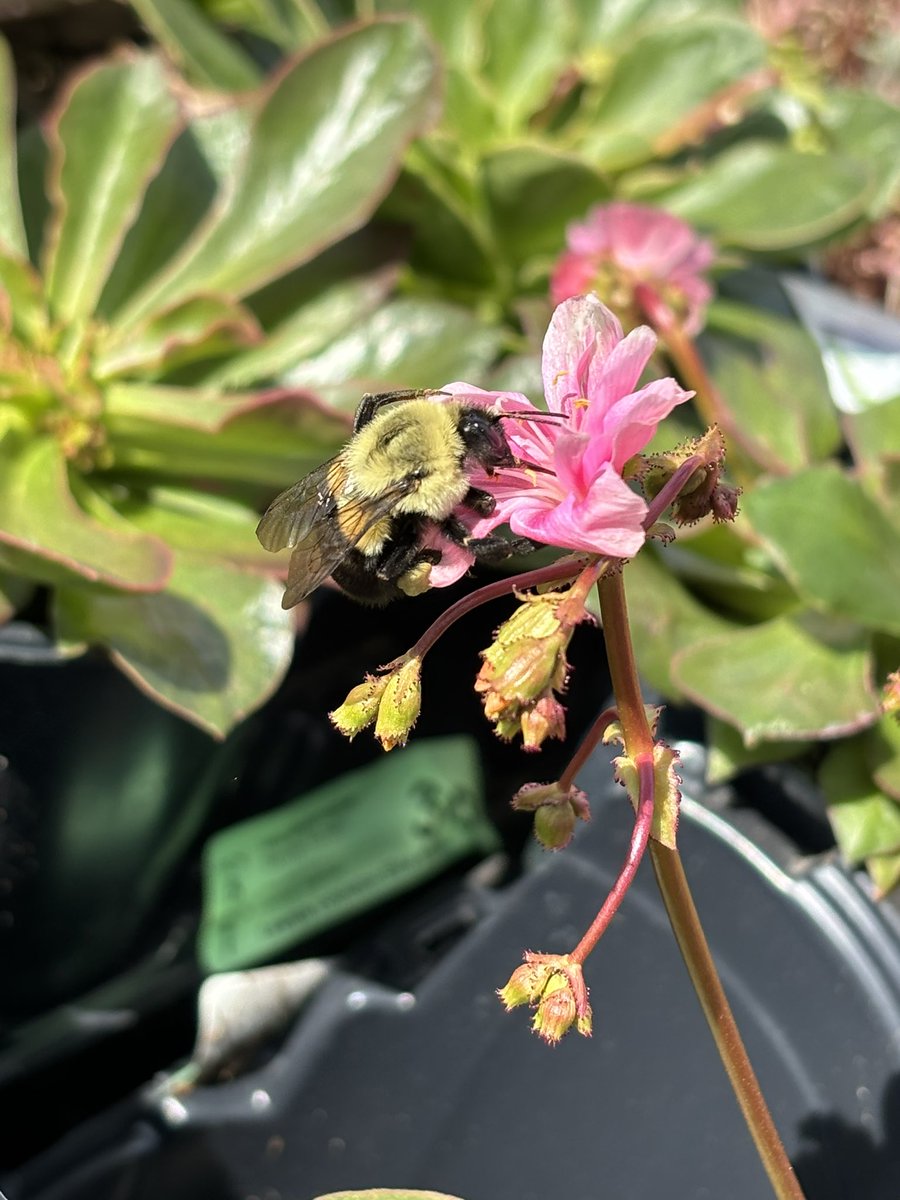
<point x="680" y="907"/>
<point x="640" y="835"/>
<point x="556" y="572"/>
<point x="586" y="748"/>
<point x="692" y="943"/>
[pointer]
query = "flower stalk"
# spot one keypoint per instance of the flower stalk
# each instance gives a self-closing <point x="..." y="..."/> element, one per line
<point x="679" y="905"/>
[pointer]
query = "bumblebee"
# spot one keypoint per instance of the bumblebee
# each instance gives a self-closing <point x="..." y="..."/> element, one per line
<point x="362" y="516"/>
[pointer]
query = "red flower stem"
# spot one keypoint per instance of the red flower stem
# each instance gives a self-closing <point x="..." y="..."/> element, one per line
<point x="683" y="918"/>
<point x="588" y="744"/>
<point x="554" y="573"/>
<point x="640" y="835"/>
<point x="712" y="408"/>
<point x="679" y="904"/>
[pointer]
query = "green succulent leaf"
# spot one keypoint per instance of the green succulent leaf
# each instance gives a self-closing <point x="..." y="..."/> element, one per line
<point x="885" y="872"/>
<point x="327" y="316"/>
<point x="664" y="617"/>
<point x="765" y="196"/>
<point x="211" y="647"/>
<point x="658" y="80"/>
<point x="409" y="343"/>
<point x="324" y="148"/>
<point x="200" y="328"/>
<point x="202" y="52"/>
<point x="206" y="526"/>
<point x="769" y="373"/>
<point x="612" y="25"/>
<point x="784" y="680"/>
<point x="269" y="438"/>
<point x="883" y="755"/>
<point x="12" y="227"/>
<point x="25" y="310"/>
<point x="108" y="140"/>
<point x="526" y="54"/>
<point x="728" y="755"/>
<point x="865" y="821"/>
<point x="48" y="536"/>
<point x="863" y="125"/>
<point x="834" y="544"/>
<point x="533" y="192"/>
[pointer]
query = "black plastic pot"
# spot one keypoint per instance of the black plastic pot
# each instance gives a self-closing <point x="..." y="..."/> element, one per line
<point x="440" y="1089"/>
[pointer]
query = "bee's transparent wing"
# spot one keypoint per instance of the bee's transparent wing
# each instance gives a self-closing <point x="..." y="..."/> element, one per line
<point x="295" y="511"/>
<point x="321" y="526"/>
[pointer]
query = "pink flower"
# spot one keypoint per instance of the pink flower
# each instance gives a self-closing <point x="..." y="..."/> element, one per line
<point x="641" y="260"/>
<point x="577" y="498"/>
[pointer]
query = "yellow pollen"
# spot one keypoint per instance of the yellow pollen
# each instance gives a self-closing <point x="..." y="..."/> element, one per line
<point x="582" y="402"/>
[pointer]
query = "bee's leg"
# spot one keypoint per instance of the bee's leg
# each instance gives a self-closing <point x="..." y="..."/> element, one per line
<point x="491" y="548"/>
<point x="404" y="550"/>
<point x="495" y="548"/>
<point x="479" y="501"/>
<point x="373" y="401"/>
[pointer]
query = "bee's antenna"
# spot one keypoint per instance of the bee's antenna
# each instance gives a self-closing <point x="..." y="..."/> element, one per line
<point x="537" y="417"/>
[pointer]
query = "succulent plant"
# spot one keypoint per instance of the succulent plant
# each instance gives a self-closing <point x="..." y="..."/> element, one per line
<point x="153" y="253"/>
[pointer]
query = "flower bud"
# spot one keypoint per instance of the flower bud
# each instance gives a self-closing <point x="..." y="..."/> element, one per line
<point x="703" y="493"/>
<point x="400" y="704"/>
<point x="360" y="708"/>
<point x="545" y="719"/>
<point x="555" y="809"/>
<point x="554" y="825"/>
<point x="554" y="986"/>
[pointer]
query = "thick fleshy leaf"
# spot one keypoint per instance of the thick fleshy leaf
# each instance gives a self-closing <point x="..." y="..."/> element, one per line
<point x="204" y="525"/>
<point x="107" y="141"/>
<point x="727" y="754"/>
<point x="767" y="196"/>
<point x="882" y="747"/>
<point x="212" y="647"/>
<point x="874" y="436"/>
<point x="865" y="821"/>
<point x="867" y="127"/>
<point x="34" y="157"/>
<point x="323" y="151"/>
<point x="22" y="307"/>
<point x="834" y="544"/>
<point x="664" y="618"/>
<point x="47" y="536"/>
<point x="410" y="343"/>
<point x="614" y="25"/>
<point x="729" y="573"/>
<point x="525" y="55"/>
<point x="202" y="327"/>
<point x="175" y="201"/>
<point x="769" y="373"/>
<point x="458" y="28"/>
<point x="662" y="76"/>
<point x="270" y="438"/>
<point x="885" y="872"/>
<point x="449" y="239"/>
<point x="205" y="55"/>
<point x="327" y="316"/>
<point x="533" y="193"/>
<point x="12" y="227"/>
<point x="782" y="680"/>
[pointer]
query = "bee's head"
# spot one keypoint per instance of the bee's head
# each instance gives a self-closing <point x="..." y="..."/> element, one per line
<point x="484" y="439"/>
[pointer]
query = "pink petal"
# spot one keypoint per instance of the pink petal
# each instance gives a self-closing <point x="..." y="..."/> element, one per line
<point x="607" y="521"/>
<point x="632" y="422"/>
<point x="581" y="324"/>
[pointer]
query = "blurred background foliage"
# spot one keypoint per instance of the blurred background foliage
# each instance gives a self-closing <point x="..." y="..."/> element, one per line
<point x="248" y="212"/>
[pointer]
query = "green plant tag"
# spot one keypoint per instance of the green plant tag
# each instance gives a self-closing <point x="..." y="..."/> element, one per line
<point x="279" y="878"/>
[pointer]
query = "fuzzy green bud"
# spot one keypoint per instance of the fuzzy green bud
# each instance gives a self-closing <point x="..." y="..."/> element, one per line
<point x="400" y="704"/>
<point x="360" y="708"/>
